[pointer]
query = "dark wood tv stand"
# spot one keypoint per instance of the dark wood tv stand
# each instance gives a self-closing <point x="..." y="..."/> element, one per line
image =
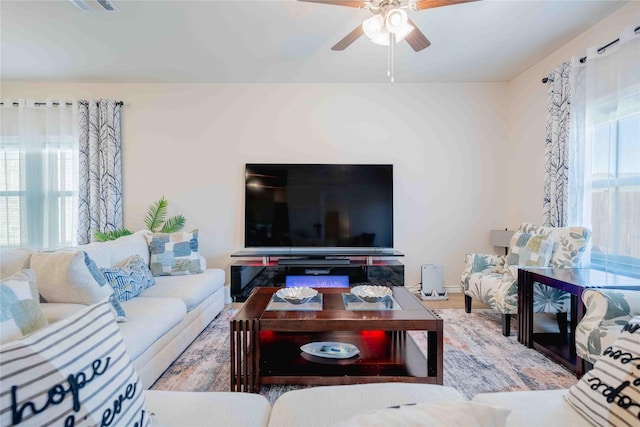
<point x="259" y="268"/>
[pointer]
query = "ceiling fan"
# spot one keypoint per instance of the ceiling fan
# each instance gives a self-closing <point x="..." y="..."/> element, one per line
<point x="389" y="21"/>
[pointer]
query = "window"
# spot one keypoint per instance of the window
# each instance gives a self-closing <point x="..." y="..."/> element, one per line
<point x="604" y="179"/>
<point x="38" y="169"/>
<point x="615" y="200"/>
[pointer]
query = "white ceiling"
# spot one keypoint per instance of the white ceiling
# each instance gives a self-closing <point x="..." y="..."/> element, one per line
<point x="278" y="41"/>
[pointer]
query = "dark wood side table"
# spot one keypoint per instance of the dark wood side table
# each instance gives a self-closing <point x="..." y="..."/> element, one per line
<point x="573" y="281"/>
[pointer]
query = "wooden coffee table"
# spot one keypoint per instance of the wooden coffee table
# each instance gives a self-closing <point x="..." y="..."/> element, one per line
<point x="266" y="336"/>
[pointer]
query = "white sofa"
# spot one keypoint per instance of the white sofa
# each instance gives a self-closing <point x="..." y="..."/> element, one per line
<point x="166" y="318"/>
<point x="162" y="321"/>
<point x="336" y="405"/>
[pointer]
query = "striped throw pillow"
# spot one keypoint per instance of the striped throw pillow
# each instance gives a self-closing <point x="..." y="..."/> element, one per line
<point x="609" y="394"/>
<point x="73" y="372"/>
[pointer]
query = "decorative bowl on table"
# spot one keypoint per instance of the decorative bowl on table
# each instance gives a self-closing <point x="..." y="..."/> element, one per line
<point x="371" y="293"/>
<point x="297" y="295"/>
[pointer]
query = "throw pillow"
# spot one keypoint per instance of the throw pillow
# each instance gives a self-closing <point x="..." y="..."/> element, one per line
<point x="20" y="312"/>
<point x="533" y="250"/>
<point x="117" y="310"/>
<point x="609" y="394"/>
<point x="69" y="277"/>
<point x="174" y="253"/>
<point x="74" y="372"/>
<point x="129" y="281"/>
<point x="457" y="413"/>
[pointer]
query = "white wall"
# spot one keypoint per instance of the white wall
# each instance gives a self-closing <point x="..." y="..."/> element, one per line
<point x="528" y="98"/>
<point x="447" y="142"/>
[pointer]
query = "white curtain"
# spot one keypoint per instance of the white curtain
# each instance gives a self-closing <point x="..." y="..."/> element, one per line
<point x="100" y="169"/>
<point x="38" y="173"/>
<point x="604" y="165"/>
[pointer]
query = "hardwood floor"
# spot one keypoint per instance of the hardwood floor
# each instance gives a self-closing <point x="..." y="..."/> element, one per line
<point x="456" y="300"/>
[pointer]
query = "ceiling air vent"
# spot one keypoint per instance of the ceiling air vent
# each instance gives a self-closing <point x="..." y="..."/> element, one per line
<point x="95" y="5"/>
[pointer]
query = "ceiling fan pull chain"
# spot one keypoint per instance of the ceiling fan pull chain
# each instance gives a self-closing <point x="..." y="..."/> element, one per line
<point x="390" y="59"/>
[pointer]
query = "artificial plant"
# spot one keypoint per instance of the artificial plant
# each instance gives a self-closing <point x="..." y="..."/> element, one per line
<point x="156" y="221"/>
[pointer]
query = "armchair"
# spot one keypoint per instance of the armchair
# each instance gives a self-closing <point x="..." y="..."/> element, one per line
<point x="493" y="278"/>
<point x="608" y="310"/>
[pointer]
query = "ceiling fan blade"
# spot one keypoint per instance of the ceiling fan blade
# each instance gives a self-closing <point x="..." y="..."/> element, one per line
<point x="430" y="4"/>
<point x="416" y="39"/>
<point x="349" y="38"/>
<point x="349" y="3"/>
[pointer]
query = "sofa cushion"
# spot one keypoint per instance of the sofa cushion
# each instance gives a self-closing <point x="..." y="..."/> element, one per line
<point x="534" y="408"/>
<point x="609" y="394"/>
<point x="148" y="320"/>
<point x="74" y="372"/>
<point x="14" y="260"/>
<point x="116" y="253"/>
<point x="69" y="277"/>
<point x="308" y="407"/>
<point x="174" y="254"/>
<point x="20" y="312"/>
<point x="195" y="409"/>
<point x="129" y="280"/>
<point x="55" y="311"/>
<point x="192" y="289"/>
<point x="533" y="250"/>
<point x="430" y="414"/>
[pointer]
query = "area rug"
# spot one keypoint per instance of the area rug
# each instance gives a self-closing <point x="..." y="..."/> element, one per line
<point x="477" y="359"/>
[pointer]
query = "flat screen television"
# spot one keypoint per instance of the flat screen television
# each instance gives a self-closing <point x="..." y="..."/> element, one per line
<point x="318" y="206"/>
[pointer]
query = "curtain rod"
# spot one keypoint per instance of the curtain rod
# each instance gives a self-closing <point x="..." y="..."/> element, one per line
<point x="55" y="104"/>
<point x="600" y="51"/>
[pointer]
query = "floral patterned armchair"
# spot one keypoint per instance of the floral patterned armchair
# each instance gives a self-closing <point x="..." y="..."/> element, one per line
<point x="493" y="278"/>
<point x="608" y="310"/>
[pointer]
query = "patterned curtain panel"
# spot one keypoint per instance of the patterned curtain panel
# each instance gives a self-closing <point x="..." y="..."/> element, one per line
<point x="100" y="169"/>
<point x="556" y="162"/>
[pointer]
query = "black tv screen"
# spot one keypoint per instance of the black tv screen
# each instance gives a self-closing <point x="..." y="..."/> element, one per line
<point x="319" y="205"/>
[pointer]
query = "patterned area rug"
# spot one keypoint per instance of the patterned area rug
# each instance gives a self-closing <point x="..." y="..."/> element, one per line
<point x="477" y="359"/>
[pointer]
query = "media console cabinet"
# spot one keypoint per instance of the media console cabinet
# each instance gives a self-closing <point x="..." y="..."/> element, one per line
<point x="273" y="268"/>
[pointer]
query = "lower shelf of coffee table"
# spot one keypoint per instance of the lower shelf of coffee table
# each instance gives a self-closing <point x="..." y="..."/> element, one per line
<point x="384" y="356"/>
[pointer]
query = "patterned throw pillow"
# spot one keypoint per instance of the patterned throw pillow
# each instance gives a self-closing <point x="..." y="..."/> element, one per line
<point x="174" y="254"/>
<point x="533" y="250"/>
<point x="117" y="310"/>
<point x="20" y="312"/>
<point x="609" y="394"/>
<point x="74" y="372"/>
<point x="129" y="281"/>
<point x="69" y="277"/>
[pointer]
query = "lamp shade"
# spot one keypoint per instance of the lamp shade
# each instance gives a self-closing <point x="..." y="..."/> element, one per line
<point x="501" y="238"/>
<point x="403" y="32"/>
<point x="396" y="20"/>
<point x="382" y="38"/>
<point x="373" y="26"/>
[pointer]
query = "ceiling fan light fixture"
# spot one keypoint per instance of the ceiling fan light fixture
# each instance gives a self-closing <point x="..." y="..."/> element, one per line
<point x="373" y="26"/>
<point x="396" y="20"/>
<point x="402" y="33"/>
<point x="382" y="38"/>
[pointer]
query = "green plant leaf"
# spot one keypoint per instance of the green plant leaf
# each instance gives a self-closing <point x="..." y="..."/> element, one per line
<point x="173" y="224"/>
<point x="156" y="215"/>
<point x="111" y="235"/>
